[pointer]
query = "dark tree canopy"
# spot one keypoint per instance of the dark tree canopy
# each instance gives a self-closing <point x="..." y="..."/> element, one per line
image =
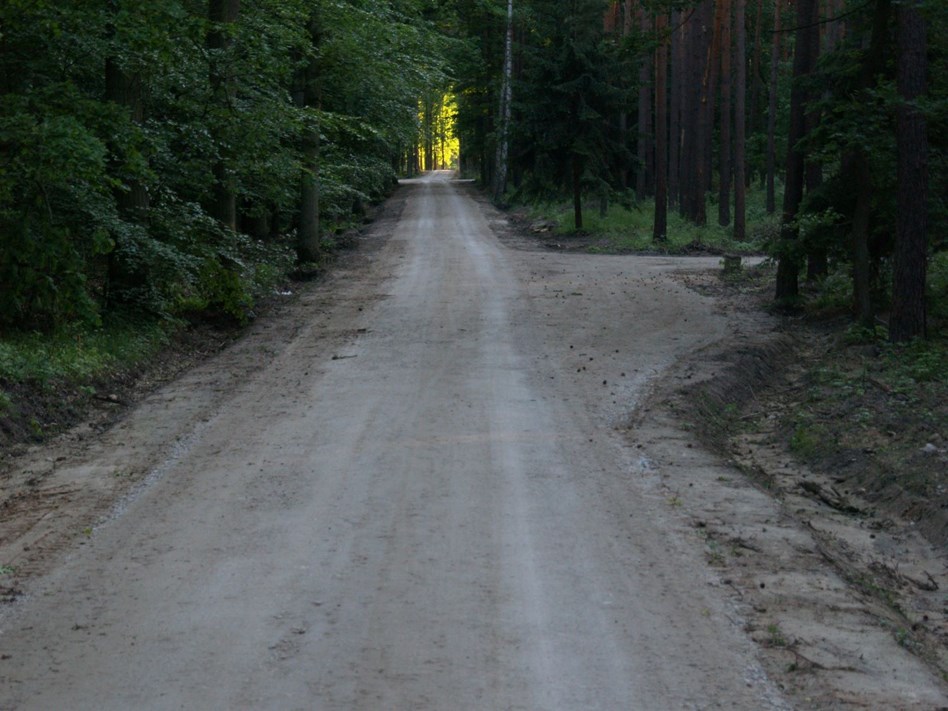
<point x="155" y="156"/>
<point x="164" y="157"/>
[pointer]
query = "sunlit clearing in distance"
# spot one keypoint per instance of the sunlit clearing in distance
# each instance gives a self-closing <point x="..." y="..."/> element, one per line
<point x="438" y="145"/>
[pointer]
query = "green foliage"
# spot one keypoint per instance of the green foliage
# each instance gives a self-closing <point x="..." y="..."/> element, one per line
<point x="111" y="203"/>
<point x="917" y="362"/>
<point x="78" y="355"/>
<point x="857" y="106"/>
<point x="835" y="294"/>
<point x="809" y="438"/>
<point x="565" y="97"/>
<point x="230" y="283"/>
<point x="6" y="403"/>
<point x="627" y="227"/>
<point x="54" y="214"/>
<point x="938" y="291"/>
<point x="357" y="168"/>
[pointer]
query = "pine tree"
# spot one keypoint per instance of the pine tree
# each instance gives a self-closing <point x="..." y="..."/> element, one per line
<point x="568" y="94"/>
<point x="788" y="266"/>
<point x="908" y="318"/>
<point x="660" y="226"/>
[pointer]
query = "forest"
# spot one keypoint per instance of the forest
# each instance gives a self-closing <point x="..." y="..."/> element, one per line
<point x="277" y="414"/>
<point x="163" y="159"/>
<point x="832" y="111"/>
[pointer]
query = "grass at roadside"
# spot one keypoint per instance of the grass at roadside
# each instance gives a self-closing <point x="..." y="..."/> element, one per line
<point x="78" y="355"/>
<point x="54" y="379"/>
<point x="628" y="227"/>
<point x="47" y="380"/>
<point x="873" y="416"/>
<point x="874" y="413"/>
<point x="869" y="415"/>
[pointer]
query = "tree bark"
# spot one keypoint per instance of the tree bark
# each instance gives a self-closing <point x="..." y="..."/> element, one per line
<point x="724" y="183"/>
<point x="307" y="95"/>
<point x="690" y="107"/>
<point x="817" y="261"/>
<point x="756" y="80"/>
<point x="308" y="239"/>
<point x="577" y="175"/>
<point x="660" y="227"/>
<point x="674" y="109"/>
<point x="740" y="117"/>
<point x="506" y="90"/>
<point x="788" y="265"/>
<point x="857" y="165"/>
<point x="856" y="170"/>
<point x="908" y="317"/>
<point x="123" y="275"/>
<point x="710" y="61"/>
<point x="696" y="134"/>
<point x="624" y="115"/>
<point x="772" y="112"/>
<point x="221" y="13"/>
<point x="428" y="130"/>
<point x="644" y="132"/>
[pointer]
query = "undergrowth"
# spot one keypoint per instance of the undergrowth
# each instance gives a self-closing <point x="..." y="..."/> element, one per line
<point x="872" y="414"/>
<point x="77" y="354"/>
<point x="627" y="227"/>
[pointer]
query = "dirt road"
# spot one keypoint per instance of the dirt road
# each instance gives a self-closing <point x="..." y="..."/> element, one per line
<point x="410" y="493"/>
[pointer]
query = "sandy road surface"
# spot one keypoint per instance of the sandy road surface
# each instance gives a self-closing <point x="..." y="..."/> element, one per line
<point x="419" y="503"/>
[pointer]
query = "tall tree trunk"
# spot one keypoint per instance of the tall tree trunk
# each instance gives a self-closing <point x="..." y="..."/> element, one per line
<point x="856" y="170"/>
<point x="709" y="80"/>
<point x="429" y="134"/>
<point x="856" y="165"/>
<point x="740" y="139"/>
<point x="123" y="275"/>
<point x="772" y="112"/>
<point x="660" y="228"/>
<point x="308" y="246"/>
<point x="817" y="263"/>
<point x="674" y="109"/>
<point x="644" y="132"/>
<point x="307" y="95"/>
<point x="817" y="257"/>
<point x="724" y="183"/>
<point x="696" y="133"/>
<point x="788" y="265"/>
<point x="690" y="107"/>
<point x="126" y="90"/>
<point x="577" y="176"/>
<point x="624" y="115"/>
<point x="756" y="80"/>
<point x="220" y="14"/>
<point x="506" y="90"/>
<point x="486" y="164"/>
<point x="836" y="30"/>
<point x="908" y="317"/>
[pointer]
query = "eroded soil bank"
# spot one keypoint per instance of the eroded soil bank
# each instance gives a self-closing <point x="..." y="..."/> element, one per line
<point x="824" y="568"/>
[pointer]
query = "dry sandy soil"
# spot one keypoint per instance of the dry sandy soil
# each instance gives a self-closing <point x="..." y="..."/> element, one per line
<point x="452" y="476"/>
